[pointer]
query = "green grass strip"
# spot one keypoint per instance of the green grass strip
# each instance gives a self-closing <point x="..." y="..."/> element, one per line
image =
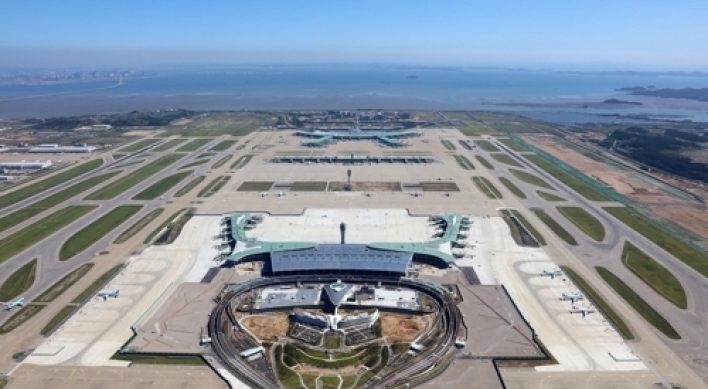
<point x="131" y="148"/>
<point x="100" y="281"/>
<point x="673" y="245"/>
<point x="531" y="179"/>
<point x="512" y="145"/>
<point x="512" y="188"/>
<point x="19" y="282"/>
<point x="448" y="145"/>
<point x="223" y="145"/>
<point x="90" y="234"/>
<point x="138" y="226"/>
<point x="221" y="162"/>
<point x="20" y="317"/>
<point x="123" y="184"/>
<point x="59" y="287"/>
<point x="549" y="196"/>
<point x="190" y="360"/>
<point x="487" y="146"/>
<point x="654" y="274"/>
<point x="48" y="183"/>
<point x="214" y="186"/>
<point x="58" y="318"/>
<point x="484" y="162"/>
<point x="610" y="314"/>
<point x="169" y="145"/>
<point x="506" y="159"/>
<point x="160" y="187"/>
<point x="194" y="145"/>
<point x="532" y="230"/>
<point x="487" y="188"/>
<point x="191" y="185"/>
<point x="555" y="227"/>
<point x="35" y="209"/>
<point x="567" y="178"/>
<point x="642" y="307"/>
<point x="30" y="235"/>
<point x="584" y="221"/>
<point x="195" y="163"/>
<point x="241" y="162"/>
<point x="162" y="226"/>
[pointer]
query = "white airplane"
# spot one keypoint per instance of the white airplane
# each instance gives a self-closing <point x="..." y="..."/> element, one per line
<point x="264" y="194"/>
<point x="17" y="303"/>
<point x="108" y="293"/>
<point x="552" y="273"/>
<point x="582" y="310"/>
<point x="572" y="296"/>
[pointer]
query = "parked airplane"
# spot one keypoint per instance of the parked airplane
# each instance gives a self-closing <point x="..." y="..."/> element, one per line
<point x="573" y="297"/>
<point x="582" y="310"/>
<point x="108" y="293"/>
<point x="552" y="273"/>
<point x="17" y="303"/>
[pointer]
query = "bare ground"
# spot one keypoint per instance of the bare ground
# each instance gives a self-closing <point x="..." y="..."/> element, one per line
<point x="694" y="219"/>
<point x="268" y="327"/>
<point x="366" y="186"/>
<point x="402" y="328"/>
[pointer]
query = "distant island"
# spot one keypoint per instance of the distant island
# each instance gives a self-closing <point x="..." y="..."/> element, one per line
<point x="698" y="94"/>
<point x="616" y="101"/>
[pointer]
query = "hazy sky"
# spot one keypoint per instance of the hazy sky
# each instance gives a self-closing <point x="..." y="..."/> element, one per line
<point x="568" y="34"/>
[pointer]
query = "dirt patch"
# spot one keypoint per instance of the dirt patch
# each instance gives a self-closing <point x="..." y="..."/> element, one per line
<point x="268" y="327"/>
<point x="439" y="186"/>
<point x="402" y="328"/>
<point x="367" y="186"/>
<point x="623" y="182"/>
<point x="694" y="219"/>
<point x="255" y="186"/>
<point x="64" y="284"/>
<point x="20" y="317"/>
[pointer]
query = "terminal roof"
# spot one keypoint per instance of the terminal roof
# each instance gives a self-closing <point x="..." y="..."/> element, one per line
<point x="341" y="257"/>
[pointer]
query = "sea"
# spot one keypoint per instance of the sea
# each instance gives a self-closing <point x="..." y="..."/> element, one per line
<point x="547" y="95"/>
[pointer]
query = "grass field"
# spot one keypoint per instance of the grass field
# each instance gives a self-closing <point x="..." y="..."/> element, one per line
<point x="309" y="186"/>
<point x="448" y="145"/>
<point x="193" y="145"/>
<point x="169" y="144"/>
<point x="610" y="314"/>
<point x="573" y="182"/>
<point x="255" y="186"/>
<point x="97" y="284"/>
<point x="654" y="275"/>
<point x="512" y="188"/>
<point x="191" y="185"/>
<point x="555" y="227"/>
<point x="463" y="162"/>
<point x="32" y="210"/>
<point x="512" y="145"/>
<point x="48" y="183"/>
<point x="138" y="226"/>
<point x="221" y="162"/>
<point x="141" y="144"/>
<point x="58" y="318"/>
<point x="30" y="235"/>
<point x="18" y="282"/>
<point x="549" y="196"/>
<point x="226" y="123"/>
<point x="506" y="158"/>
<point x="539" y="238"/>
<point x="223" y="145"/>
<point x="484" y="162"/>
<point x="20" y="317"/>
<point x="487" y="146"/>
<point x="531" y="179"/>
<point x="584" y="221"/>
<point x="160" y="187"/>
<point x="487" y="188"/>
<point x="59" y="287"/>
<point x="191" y="360"/>
<point x="174" y="228"/>
<point x="642" y="307"/>
<point x="214" y="186"/>
<point x="162" y="226"/>
<point x="195" y="163"/>
<point x="130" y="162"/>
<point x="125" y="183"/>
<point x="241" y="162"/>
<point x="90" y="234"/>
<point x="687" y="254"/>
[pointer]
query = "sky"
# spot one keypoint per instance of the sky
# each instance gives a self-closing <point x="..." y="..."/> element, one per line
<point x="572" y="35"/>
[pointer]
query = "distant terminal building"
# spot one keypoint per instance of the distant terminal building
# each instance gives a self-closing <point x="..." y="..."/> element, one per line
<point x="310" y="319"/>
<point x="4" y="149"/>
<point x="354" y="159"/>
<point x="363" y="319"/>
<point x="55" y="148"/>
<point x="23" y="165"/>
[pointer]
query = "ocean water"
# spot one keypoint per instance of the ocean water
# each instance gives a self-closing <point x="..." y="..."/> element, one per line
<point x="335" y="88"/>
